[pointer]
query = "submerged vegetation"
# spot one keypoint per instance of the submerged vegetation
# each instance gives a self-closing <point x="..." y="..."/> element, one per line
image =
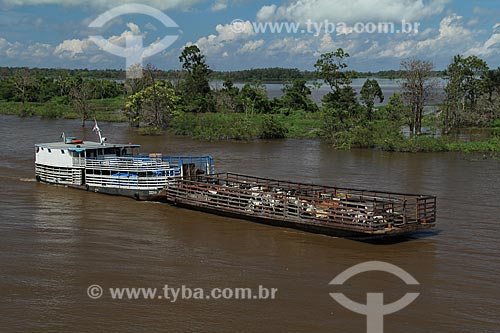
<point x="184" y="103"/>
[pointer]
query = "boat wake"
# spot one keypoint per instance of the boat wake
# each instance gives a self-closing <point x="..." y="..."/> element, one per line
<point x="27" y="180"/>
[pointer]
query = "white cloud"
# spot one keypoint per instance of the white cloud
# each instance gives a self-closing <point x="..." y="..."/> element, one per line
<point x="226" y="34"/>
<point x="292" y="45"/>
<point x="229" y="32"/>
<point x="219" y="5"/>
<point x="14" y="50"/>
<point x="326" y="44"/>
<point x="353" y="11"/>
<point x="251" y="46"/>
<point x="70" y="48"/>
<point x="451" y="38"/>
<point x="39" y="50"/>
<point x="209" y="45"/>
<point x="491" y="47"/>
<point x="85" y="50"/>
<point x="266" y="13"/>
<point x="3" y="43"/>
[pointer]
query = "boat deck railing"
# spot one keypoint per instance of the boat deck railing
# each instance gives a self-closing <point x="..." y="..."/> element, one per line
<point x="144" y="163"/>
<point x="304" y="203"/>
<point x="124" y="164"/>
<point x="150" y="182"/>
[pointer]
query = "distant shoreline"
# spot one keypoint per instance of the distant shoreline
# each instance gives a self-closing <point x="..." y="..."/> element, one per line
<point x="264" y="75"/>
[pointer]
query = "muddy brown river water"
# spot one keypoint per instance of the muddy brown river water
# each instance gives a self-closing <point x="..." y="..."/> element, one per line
<point x="55" y="242"/>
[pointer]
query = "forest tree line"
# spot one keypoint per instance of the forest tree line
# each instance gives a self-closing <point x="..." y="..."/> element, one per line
<point x="181" y="100"/>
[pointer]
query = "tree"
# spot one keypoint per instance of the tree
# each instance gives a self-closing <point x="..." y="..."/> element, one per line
<point x="196" y="87"/>
<point x="395" y="110"/>
<point x="369" y="92"/>
<point x="492" y="83"/>
<point x="297" y="96"/>
<point x="340" y="105"/>
<point x="134" y="85"/>
<point x="418" y="86"/>
<point x="226" y="98"/>
<point x="330" y="68"/>
<point x="466" y="83"/>
<point x="271" y="128"/>
<point x="106" y="88"/>
<point x="155" y="105"/>
<point x="228" y="87"/>
<point x="64" y="83"/>
<point x="22" y="81"/>
<point x="80" y="95"/>
<point x="253" y="98"/>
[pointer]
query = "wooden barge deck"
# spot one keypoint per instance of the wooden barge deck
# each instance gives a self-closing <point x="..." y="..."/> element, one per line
<point x="328" y="210"/>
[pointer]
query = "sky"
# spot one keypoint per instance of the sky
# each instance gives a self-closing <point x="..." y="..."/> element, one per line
<point x="244" y="34"/>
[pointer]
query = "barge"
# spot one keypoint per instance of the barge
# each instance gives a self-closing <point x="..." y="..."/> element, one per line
<point x="190" y="182"/>
<point x="334" y="211"/>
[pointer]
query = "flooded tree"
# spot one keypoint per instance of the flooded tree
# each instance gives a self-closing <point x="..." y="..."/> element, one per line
<point x="466" y="84"/>
<point x="297" y="96"/>
<point x="330" y="67"/>
<point x="253" y="99"/>
<point x="226" y="98"/>
<point x="80" y="94"/>
<point x="369" y="92"/>
<point x="195" y="88"/>
<point x="154" y="105"/>
<point x="340" y="106"/>
<point x="418" y="86"/>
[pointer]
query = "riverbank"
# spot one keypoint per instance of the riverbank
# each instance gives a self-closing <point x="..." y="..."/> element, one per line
<point x="109" y="109"/>
<point x="247" y="127"/>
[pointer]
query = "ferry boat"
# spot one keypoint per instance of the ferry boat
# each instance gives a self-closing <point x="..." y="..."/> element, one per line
<point x="116" y="169"/>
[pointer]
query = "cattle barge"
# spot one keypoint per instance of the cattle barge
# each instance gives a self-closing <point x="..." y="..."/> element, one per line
<point x="321" y="209"/>
<point x="190" y="182"/>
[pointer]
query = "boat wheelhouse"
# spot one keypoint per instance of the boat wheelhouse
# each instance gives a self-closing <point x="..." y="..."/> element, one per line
<point x="113" y="168"/>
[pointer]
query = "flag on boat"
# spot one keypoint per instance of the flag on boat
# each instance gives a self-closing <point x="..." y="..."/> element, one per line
<point x="96" y="127"/>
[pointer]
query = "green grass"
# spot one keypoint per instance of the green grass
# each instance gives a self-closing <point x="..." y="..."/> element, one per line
<point x="490" y="146"/>
<point x="237" y="126"/>
<point x="301" y="124"/>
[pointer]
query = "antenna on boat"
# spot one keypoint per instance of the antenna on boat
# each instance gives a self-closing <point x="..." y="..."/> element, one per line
<point x="96" y="128"/>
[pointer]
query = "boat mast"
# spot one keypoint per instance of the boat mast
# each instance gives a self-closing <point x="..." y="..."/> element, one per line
<point x="96" y="128"/>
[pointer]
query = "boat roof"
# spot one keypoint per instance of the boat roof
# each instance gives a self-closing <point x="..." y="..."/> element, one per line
<point x="84" y="146"/>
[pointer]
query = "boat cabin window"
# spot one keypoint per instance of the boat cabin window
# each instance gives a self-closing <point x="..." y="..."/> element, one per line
<point x="50" y="151"/>
<point x="62" y="151"/>
<point x="37" y="149"/>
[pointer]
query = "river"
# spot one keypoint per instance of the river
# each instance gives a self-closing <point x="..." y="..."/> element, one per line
<point x="55" y="242"/>
<point x="389" y="87"/>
